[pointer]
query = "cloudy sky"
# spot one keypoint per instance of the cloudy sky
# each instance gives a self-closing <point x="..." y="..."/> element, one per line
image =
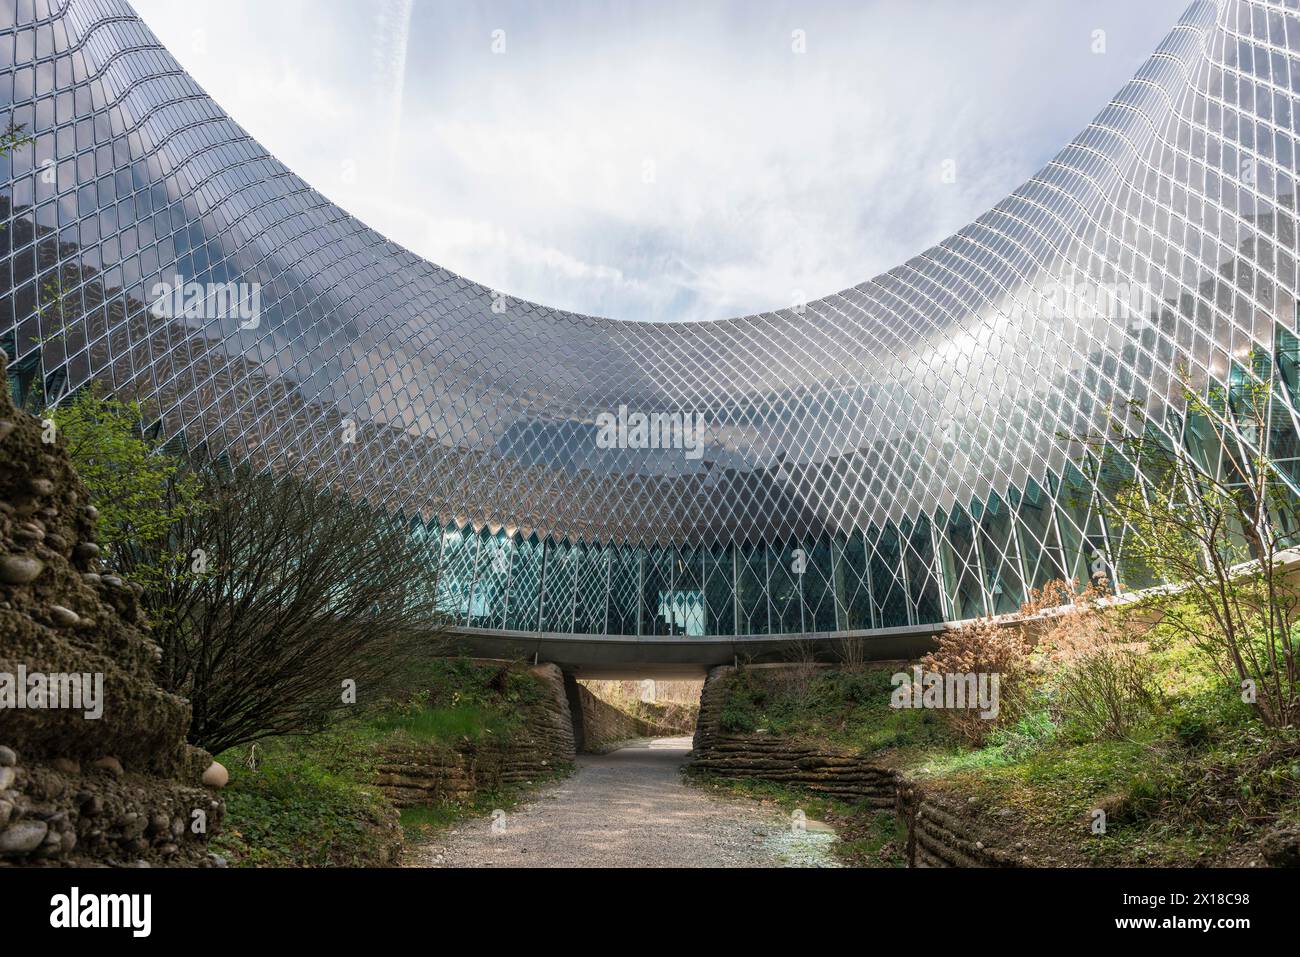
<point x="667" y="160"/>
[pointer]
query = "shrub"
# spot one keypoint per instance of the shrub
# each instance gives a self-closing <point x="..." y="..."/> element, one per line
<point x="306" y="604"/>
<point x="861" y="687"/>
<point x="1032" y="731"/>
<point x="853" y="653"/>
<point x="1200" y="719"/>
<point x="459" y="699"/>
<point x="287" y="807"/>
<point x="1107" y="691"/>
<point x="1101" y="679"/>
<point x="984" y="647"/>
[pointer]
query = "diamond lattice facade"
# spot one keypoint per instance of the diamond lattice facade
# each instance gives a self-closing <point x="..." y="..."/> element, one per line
<point x="893" y="454"/>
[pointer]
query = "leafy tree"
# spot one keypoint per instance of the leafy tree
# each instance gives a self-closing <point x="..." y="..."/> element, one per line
<point x="141" y="492"/>
<point x="1211" y="519"/>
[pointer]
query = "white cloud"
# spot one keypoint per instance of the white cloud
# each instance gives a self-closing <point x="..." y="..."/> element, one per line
<point x="772" y="174"/>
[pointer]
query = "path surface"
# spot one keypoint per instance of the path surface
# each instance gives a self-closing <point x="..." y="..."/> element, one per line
<point x="630" y="808"/>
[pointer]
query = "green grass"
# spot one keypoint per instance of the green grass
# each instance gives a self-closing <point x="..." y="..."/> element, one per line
<point x="427" y="818"/>
<point x="848" y="709"/>
<point x="424" y="725"/>
<point x="310" y="801"/>
<point x="874" y="838"/>
<point x="1196" y="778"/>
<point x="294" y="810"/>
<point x="459" y="701"/>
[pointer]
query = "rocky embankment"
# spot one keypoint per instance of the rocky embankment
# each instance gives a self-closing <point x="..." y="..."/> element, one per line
<point x="415" y="774"/>
<point x="94" y="768"/>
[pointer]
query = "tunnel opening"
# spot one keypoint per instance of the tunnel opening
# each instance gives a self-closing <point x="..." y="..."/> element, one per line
<point x="608" y="713"/>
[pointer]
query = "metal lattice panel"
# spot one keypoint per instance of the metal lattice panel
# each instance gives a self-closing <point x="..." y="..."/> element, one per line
<point x="889" y="454"/>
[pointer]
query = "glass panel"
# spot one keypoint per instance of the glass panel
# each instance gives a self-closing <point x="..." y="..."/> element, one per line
<point x="557" y="604"/>
<point x="656" y="585"/>
<point x="818" y="590"/>
<point x="456" y="574"/>
<point x="624" y="593"/>
<point x="786" y="566"/>
<point x="1001" y="560"/>
<point x="487" y="608"/>
<point x="887" y="589"/>
<point x="1040" y="545"/>
<point x="857" y="587"/>
<point x="922" y="583"/>
<point x="752" y="598"/>
<point x="961" y="566"/>
<point x="525" y="585"/>
<point x="591" y="590"/>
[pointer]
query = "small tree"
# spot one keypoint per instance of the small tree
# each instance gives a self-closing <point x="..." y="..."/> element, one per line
<point x="141" y="492"/>
<point x="1213" y="526"/>
<point x="294" y="604"/>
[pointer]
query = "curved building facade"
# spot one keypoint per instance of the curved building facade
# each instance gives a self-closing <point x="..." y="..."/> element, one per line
<point x="894" y="454"/>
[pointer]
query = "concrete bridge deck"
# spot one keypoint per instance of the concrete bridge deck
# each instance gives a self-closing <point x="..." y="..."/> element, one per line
<point x="680" y="656"/>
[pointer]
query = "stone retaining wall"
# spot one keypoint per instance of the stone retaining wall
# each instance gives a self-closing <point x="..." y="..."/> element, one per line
<point x="939" y="835"/>
<point x="418" y="774"/>
<point x="835" y="774"/>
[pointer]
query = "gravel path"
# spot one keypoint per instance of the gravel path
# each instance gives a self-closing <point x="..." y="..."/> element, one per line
<point x="630" y="808"/>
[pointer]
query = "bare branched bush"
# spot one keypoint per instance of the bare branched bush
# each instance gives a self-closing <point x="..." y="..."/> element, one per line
<point x="1107" y="691"/>
<point x="852" y="654"/>
<point x="295" y="604"/>
<point x="798" y="682"/>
